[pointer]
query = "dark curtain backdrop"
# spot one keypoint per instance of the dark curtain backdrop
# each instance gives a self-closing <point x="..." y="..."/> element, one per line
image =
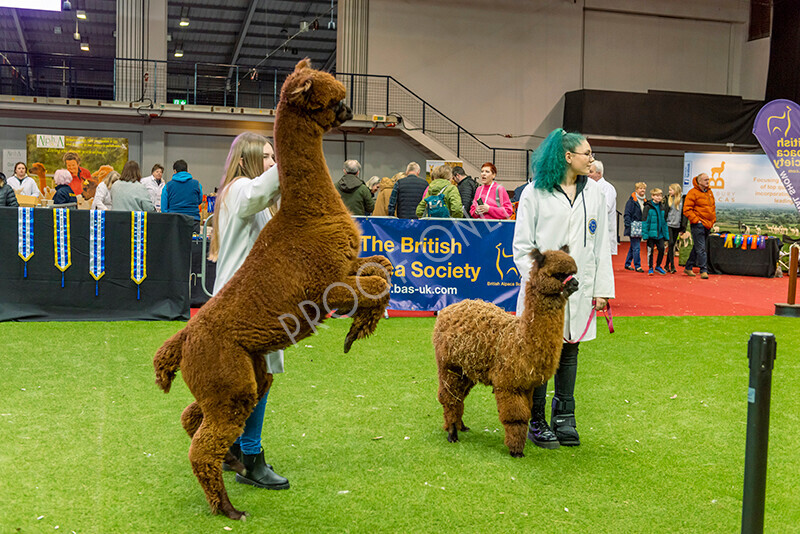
<point x="783" y="79"/>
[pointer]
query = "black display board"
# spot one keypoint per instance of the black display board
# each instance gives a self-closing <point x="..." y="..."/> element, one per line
<point x="749" y="262"/>
<point x="163" y="295"/>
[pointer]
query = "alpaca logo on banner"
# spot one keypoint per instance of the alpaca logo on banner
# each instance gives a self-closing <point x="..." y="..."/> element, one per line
<point x="501" y="255"/>
<point x="781" y="142"/>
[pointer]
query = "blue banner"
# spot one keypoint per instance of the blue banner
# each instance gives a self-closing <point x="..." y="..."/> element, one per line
<point x="439" y="262"/>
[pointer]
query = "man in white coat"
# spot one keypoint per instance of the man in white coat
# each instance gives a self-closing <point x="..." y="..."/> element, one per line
<point x="596" y="174"/>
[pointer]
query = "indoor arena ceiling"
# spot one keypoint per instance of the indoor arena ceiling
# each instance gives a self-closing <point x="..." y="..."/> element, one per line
<point x="241" y="32"/>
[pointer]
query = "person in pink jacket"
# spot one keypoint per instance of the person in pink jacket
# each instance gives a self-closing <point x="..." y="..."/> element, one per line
<point x="491" y="199"/>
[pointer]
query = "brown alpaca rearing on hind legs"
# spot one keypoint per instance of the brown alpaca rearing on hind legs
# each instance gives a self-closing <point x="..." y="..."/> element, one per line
<point x="303" y="264"/>
<point x="476" y="341"/>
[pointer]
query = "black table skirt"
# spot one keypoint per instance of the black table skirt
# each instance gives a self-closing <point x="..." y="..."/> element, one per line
<point x="749" y="262"/>
<point x="163" y="295"/>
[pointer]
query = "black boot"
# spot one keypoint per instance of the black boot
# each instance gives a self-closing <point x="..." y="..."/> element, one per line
<point x="236" y="451"/>
<point x="539" y="431"/>
<point x="259" y="474"/>
<point x="562" y="416"/>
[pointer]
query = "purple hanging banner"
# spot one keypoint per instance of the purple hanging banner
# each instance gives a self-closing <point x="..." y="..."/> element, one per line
<point x="777" y="129"/>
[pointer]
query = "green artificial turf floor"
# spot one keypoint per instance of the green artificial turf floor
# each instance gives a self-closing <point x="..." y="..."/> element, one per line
<point x="89" y="444"/>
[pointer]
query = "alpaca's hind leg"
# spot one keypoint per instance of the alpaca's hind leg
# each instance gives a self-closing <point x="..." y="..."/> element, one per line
<point x="192" y="418"/>
<point x="222" y="423"/>
<point x="226" y="400"/>
<point x="453" y="389"/>
<point x="514" y="408"/>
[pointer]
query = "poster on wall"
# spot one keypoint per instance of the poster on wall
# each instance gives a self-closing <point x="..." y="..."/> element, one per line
<point x="96" y="157"/>
<point x="431" y="164"/>
<point x="747" y="191"/>
<point x="10" y="158"/>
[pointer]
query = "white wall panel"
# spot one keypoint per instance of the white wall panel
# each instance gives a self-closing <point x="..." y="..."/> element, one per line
<point x="626" y="52"/>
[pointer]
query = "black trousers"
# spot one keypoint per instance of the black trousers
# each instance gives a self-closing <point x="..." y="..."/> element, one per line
<point x="673" y="243"/>
<point x="564" y="379"/>
<point x="659" y="245"/>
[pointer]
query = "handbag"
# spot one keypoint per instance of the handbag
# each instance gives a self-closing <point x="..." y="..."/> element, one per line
<point x="636" y="228"/>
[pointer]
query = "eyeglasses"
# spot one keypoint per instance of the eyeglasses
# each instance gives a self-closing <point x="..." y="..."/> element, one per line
<point x="588" y="154"/>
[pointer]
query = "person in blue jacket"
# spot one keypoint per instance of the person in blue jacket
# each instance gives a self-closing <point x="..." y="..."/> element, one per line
<point x="183" y="194"/>
<point x="654" y="229"/>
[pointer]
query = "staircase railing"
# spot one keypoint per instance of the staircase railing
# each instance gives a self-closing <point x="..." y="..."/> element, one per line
<point x="371" y="94"/>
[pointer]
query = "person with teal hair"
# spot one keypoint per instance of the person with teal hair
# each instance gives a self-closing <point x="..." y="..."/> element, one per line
<point x="562" y="208"/>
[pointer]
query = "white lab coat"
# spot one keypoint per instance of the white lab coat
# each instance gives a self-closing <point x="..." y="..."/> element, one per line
<point x="546" y="221"/>
<point x="26" y="186"/>
<point x="238" y="220"/>
<point x="611" y="206"/>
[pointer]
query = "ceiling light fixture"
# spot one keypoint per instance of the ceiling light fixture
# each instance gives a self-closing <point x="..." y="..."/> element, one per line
<point x="184" y="22"/>
<point x="178" y="52"/>
<point x="81" y="14"/>
<point x="85" y="46"/>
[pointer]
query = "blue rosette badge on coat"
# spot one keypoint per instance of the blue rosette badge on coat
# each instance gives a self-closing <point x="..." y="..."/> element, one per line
<point x="61" y="241"/>
<point x="138" y="249"/>
<point x="97" y="247"/>
<point x="25" y="236"/>
<point x="777" y="128"/>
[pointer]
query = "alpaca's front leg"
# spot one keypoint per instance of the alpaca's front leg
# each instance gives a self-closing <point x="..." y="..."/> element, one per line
<point x="362" y="296"/>
<point x="514" y="409"/>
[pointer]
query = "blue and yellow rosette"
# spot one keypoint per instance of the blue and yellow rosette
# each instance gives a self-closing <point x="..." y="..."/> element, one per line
<point x="61" y="241"/>
<point x="25" y="236"/>
<point x="97" y="247"/>
<point x="138" y="249"/>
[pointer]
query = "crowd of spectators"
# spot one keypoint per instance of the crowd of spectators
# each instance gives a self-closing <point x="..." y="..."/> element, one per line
<point x="407" y="195"/>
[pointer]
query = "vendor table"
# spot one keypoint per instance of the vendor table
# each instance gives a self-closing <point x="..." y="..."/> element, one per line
<point x="750" y="262"/>
<point x="162" y="295"/>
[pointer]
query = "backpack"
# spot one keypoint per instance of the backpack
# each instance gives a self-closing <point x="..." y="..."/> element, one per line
<point x="435" y="206"/>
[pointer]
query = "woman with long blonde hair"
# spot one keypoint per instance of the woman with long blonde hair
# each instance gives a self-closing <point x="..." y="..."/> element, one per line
<point x="676" y="223"/>
<point x="102" y="194"/>
<point x="248" y="188"/>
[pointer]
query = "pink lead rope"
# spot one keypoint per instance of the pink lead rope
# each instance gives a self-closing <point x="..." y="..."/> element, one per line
<point x="609" y="320"/>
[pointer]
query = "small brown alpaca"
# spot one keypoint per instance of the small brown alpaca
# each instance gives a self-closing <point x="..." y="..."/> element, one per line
<point x="304" y="263"/>
<point x="476" y="341"/>
<point x="40" y="172"/>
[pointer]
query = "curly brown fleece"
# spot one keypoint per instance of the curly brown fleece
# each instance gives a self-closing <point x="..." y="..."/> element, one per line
<point x="476" y="341"/>
<point x="303" y="263"/>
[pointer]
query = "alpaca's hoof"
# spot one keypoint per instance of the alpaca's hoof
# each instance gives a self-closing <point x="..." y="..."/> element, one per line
<point x="517" y="454"/>
<point x="233" y="513"/>
<point x="464" y="428"/>
<point x="452" y="434"/>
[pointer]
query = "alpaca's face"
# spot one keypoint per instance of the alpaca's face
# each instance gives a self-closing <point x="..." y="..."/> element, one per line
<point x="556" y="273"/>
<point x="317" y="95"/>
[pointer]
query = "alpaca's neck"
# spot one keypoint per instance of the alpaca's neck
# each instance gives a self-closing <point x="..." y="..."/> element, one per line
<point x="542" y="325"/>
<point x="305" y="181"/>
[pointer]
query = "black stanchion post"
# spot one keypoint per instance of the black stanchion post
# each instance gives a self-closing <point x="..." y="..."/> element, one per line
<point x="761" y="353"/>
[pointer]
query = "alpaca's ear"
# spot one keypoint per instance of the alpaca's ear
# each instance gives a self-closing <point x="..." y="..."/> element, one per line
<point x="538" y="257"/>
<point x="565" y="248"/>
<point x="303" y="64"/>
<point x="301" y="93"/>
